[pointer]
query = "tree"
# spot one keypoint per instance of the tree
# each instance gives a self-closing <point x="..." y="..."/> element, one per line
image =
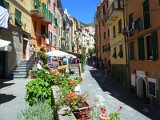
<point x="90" y="51"/>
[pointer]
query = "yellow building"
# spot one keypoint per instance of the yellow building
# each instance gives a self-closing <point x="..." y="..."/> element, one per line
<point x="115" y="22"/>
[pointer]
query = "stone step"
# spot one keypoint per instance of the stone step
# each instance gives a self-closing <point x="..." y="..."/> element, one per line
<point x="21" y="67"/>
<point x="19" y="73"/>
<point x="19" y="76"/>
<point x="20" y="70"/>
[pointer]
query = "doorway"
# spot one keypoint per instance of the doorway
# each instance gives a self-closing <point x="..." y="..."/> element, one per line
<point x="2" y="64"/>
<point x="141" y="87"/>
<point x="24" y="48"/>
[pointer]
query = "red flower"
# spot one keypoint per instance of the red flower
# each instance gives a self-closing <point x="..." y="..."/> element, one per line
<point x="71" y="95"/>
<point x="103" y="109"/>
<point x="53" y="72"/>
<point x="72" y="83"/>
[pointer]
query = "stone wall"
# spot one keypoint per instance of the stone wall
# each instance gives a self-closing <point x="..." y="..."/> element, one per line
<point x="12" y="58"/>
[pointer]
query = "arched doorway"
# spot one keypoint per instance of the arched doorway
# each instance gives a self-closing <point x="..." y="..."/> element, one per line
<point x="141" y="87"/>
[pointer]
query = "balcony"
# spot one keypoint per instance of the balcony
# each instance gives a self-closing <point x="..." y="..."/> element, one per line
<point x="114" y="10"/>
<point x="40" y="10"/>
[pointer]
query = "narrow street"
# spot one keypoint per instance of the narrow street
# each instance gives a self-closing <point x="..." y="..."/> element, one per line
<point x="12" y="101"/>
<point x="111" y="94"/>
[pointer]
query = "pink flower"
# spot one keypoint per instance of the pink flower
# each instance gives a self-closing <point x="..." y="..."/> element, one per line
<point x="104" y="116"/>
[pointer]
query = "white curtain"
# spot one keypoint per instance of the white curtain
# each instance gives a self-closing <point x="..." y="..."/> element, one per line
<point x="4" y="15"/>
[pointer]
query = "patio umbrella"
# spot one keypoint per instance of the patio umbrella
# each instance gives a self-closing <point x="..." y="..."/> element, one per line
<point x="57" y="53"/>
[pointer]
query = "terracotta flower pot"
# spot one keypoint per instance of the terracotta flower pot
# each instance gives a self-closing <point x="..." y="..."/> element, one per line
<point x="83" y="112"/>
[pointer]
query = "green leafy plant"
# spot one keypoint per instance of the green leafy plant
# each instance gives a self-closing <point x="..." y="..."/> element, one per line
<point x="39" y="111"/>
<point x="38" y="90"/>
<point x="114" y="116"/>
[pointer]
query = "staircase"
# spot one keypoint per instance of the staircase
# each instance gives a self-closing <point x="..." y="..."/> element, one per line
<point x="75" y="70"/>
<point x="22" y="70"/>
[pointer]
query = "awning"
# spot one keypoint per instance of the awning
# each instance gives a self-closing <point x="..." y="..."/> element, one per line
<point x="4" y="43"/>
<point x="4" y="15"/>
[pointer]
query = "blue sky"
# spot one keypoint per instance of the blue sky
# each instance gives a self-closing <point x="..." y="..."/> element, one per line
<point x="82" y="10"/>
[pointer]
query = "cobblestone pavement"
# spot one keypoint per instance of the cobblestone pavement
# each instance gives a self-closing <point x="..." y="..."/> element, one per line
<point x="112" y="95"/>
<point x="12" y="101"/>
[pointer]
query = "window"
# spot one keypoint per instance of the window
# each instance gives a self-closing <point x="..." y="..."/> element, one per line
<point x="131" y="32"/>
<point x="103" y="23"/>
<point x="43" y="30"/>
<point x="114" y="53"/>
<point x="104" y="35"/>
<point x="120" y="26"/>
<point x="159" y="2"/>
<point x="114" y="31"/>
<point x="131" y="51"/>
<point x="152" y="87"/>
<point x="146" y="14"/>
<point x="103" y="9"/>
<point x="108" y="33"/>
<point x="141" y="52"/>
<point x="4" y="4"/>
<point x="151" y="46"/>
<point x="18" y="16"/>
<point x="55" y="40"/>
<point x="120" y="51"/>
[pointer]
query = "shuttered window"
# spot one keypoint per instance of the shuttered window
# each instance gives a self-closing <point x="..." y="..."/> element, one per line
<point x="56" y="22"/>
<point x="146" y="14"/>
<point x="114" y="53"/>
<point x="141" y="52"/>
<point x="18" y="16"/>
<point x="114" y="31"/>
<point x="154" y="46"/>
<point x="4" y="4"/>
<point x="120" y="25"/>
<point x="120" y="54"/>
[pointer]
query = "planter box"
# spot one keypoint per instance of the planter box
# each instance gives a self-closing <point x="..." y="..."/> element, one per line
<point x="83" y="112"/>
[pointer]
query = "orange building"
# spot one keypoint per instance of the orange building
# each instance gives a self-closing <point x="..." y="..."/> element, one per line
<point x="41" y="17"/>
<point x="144" y="48"/>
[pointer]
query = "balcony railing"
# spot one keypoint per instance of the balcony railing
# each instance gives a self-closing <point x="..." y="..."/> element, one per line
<point x="39" y="9"/>
<point x="113" y="11"/>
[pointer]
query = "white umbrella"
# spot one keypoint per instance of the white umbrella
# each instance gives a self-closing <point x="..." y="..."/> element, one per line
<point x="57" y="53"/>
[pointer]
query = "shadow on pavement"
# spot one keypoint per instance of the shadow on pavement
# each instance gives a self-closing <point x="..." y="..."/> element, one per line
<point x="119" y="92"/>
<point x="3" y="84"/>
<point x="6" y="98"/>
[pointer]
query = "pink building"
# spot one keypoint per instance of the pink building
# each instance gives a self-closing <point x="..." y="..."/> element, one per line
<point x="53" y="28"/>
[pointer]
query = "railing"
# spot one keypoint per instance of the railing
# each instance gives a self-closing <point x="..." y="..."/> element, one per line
<point x="31" y="62"/>
<point x="37" y="5"/>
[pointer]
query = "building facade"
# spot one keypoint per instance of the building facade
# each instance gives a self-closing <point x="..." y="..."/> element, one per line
<point x="144" y="48"/>
<point x="18" y="33"/>
<point x="115" y="23"/>
<point x="101" y="33"/>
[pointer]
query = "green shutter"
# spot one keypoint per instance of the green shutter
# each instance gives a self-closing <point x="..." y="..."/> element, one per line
<point x="56" y="22"/>
<point x="18" y="17"/>
<point x="146" y="14"/>
<point x="36" y="4"/>
<point x="141" y="48"/>
<point x="154" y="46"/>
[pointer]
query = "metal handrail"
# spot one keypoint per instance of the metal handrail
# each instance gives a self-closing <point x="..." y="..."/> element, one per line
<point x="31" y="61"/>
